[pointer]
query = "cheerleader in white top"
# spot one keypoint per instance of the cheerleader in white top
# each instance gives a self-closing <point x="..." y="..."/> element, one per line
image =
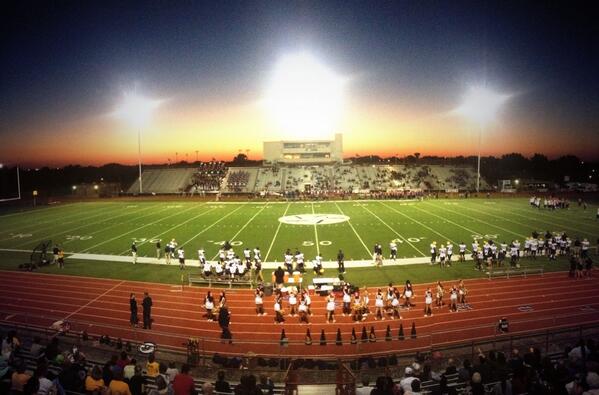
<point x="462" y="292"/>
<point x="209" y="306"/>
<point x="440" y="293"/>
<point x="408" y="293"/>
<point x="379" y="305"/>
<point x="292" y="304"/>
<point x="331" y="308"/>
<point x="308" y="301"/>
<point x="428" y="303"/>
<point x="453" y="299"/>
<point x="346" y="301"/>
<point x="259" y="302"/>
<point x="303" y="312"/>
<point x="279" y="319"/>
<point x="395" y="311"/>
<point x="366" y="301"/>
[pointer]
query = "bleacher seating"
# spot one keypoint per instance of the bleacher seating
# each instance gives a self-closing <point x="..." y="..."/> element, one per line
<point x="163" y="181"/>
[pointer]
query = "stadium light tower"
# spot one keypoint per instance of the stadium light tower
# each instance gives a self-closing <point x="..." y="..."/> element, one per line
<point x="137" y="110"/>
<point x="480" y="105"/>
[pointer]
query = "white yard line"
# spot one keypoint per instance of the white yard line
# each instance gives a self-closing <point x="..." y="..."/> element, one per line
<point x="136" y="229"/>
<point x="93" y="300"/>
<point x="70" y="230"/>
<point x="316" y="234"/>
<point x="352" y="228"/>
<point x="205" y="229"/>
<point x="482" y="222"/>
<point x="418" y="222"/>
<point x="37" y="210"/>
<point x="272" y="242"/>
<point x="171" y="229"/>
<point x="393" y="230"/>
<point x="243" y="227"/>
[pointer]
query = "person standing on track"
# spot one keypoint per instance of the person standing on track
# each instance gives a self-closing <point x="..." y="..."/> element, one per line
<point x="147" y="310"/>
<point x="134" y="320"/>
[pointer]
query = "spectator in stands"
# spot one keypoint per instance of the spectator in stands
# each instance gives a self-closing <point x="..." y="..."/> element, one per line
<point x="162" y="388"/>
<point x="71" y="376"/>
<point x="171" y="371"/>
<point x="266" y="385"/>
<point x="465" y="373"/>
<point x="129" y="369"/>
<point x="123" y="360"/>
<point x="183" y="383"/>
<point x="221" y="385"/>
<point x="45" y="385"/>
<point x="365" y="389"/>
<point x="52" y="349"/>
<point x="381" y="386"/>
<point x="10" y="344"/>
<point x="406" y="382"/>
<point x="19" y="378"/>
<point x="415" y="389"/>
<point x="118" y="386"/>
<point x="137" y="382"/>
<point x="93" y="382"/>
<point x="247" y="386"/>
<point x="477" y="385"/>
<point x="36" y="348"/>
<point x="152" y="367"/>
<point x="207" y="388"/>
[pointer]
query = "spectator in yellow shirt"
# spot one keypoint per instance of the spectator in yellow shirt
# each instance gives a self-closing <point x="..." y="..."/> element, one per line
<point x="94" y="381"/>
<point x="117" y="385"/>
<point x="152" y="367"/>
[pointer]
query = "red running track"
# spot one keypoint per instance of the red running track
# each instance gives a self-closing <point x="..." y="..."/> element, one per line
<point x="101" y="306"/>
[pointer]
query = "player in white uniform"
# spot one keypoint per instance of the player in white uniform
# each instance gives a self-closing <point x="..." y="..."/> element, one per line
<point x="247" y="256"/>
<point x="299" y="261"/>
<point x="442" y="255"/>
<point x="288" y="260"/>
<point x="462" y="248"/>
<point x="449" y="247"/>
<point x="393" y="249"/>
<point x="433" y="252"/>
<point x="181" y="254"/>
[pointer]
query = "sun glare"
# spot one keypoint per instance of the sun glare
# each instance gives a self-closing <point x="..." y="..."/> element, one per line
<point x="480" y="105"/>
<point x="136" y="109"/>
<point x="304" y="98"/>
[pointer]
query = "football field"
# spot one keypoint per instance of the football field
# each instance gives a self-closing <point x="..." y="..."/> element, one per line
<point x="109" y="228"/>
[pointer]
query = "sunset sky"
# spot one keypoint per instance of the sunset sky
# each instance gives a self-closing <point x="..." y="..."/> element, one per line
<point x="405" y="66"/>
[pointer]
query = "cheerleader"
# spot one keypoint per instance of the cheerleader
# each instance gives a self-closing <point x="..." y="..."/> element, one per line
<point x="379" y="305"/>
<point x="346" y="301"/>
<point x="279" y="319"/>
<point x="308" y="301"/>
<point x="440" y="293"/>
<point x="209" y="305"/>
<point x="453" y="299"/>
<point x="462" y="292"/>
<point x="395" y="312"/>
<point x="408" y="293"/>
<point x="366" y="301"/>
<point x="259" y="302"/>
<point x="357" y="309"/>
<point x="292" y="304"/>
<point x="303" y="312"/>
<point x="428" y="302"/>
<point x="331" y="308"/>
<point x="222" y="300"/>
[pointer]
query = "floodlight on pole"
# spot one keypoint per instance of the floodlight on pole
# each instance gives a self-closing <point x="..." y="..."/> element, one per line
<point x="481" y="105"/>
<point x="137" y="110"/>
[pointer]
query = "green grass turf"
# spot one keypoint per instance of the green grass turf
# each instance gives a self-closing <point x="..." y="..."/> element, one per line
<point x="109" y="227"/>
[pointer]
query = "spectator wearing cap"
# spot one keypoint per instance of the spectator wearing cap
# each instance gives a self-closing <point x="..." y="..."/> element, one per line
<point x="406" y="382"/>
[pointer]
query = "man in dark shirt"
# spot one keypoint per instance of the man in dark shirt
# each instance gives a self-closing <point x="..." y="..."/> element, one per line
<point x="147" y="311"/>
<point x="183" y="383"/>
<point x="221" y="385"/>
<point x="341" y="261"/>
<point x="279" y="277"/>
<point x="223" y="322"/>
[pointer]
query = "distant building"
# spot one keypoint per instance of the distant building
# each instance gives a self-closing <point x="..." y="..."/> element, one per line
<point x="304" y="151"/>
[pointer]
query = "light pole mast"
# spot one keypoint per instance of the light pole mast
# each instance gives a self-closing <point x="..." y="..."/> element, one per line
<point x="139" y="158"/>
<point x="480" y="137"/>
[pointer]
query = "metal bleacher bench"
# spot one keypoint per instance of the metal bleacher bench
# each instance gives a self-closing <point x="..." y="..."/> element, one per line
<point x="192" y="279"/>
<point x="514" y="272"/>
<point x="325" y="284"/>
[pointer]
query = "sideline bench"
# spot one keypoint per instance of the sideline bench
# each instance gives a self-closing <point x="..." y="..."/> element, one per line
<point x="512" y="273"/>
<point x="196" y="279"/>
